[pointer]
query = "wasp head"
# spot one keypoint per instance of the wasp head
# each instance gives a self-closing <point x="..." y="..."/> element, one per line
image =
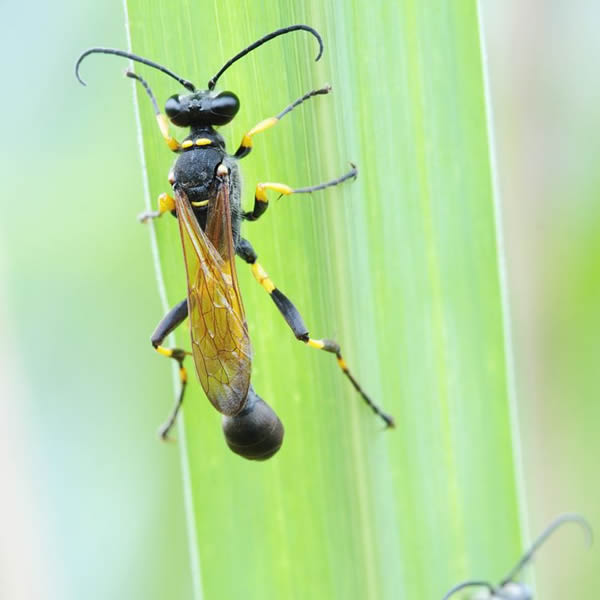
<point x="202" y="108"/>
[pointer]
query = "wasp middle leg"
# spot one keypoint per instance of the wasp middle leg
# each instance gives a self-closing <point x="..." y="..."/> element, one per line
<point x="294" y="319"/>
<point x="261" y="202"/>
<point x="169" y="323"/>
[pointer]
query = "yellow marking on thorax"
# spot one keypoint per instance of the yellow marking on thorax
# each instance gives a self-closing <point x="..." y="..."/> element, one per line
<point x="201" y="203"/>
<point x="198" y="142"/>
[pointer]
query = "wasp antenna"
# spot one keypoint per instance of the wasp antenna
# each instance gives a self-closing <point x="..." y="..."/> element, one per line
<point x="146" y="87"/>
<point x="184" y="82"/>
<point x="260" y="42"/>
<point x="324" y="90"/>
<point x="565" y="518"/>
<point x="466" y="584"/>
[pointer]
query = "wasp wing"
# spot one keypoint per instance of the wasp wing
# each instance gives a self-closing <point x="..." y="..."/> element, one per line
<point x="220" y="343"/>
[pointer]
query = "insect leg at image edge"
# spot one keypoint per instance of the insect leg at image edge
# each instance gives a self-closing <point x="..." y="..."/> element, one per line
<point x="508" y="588"/>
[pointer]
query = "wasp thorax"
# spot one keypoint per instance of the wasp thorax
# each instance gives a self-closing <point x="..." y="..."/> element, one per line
<point x="202" y="108"/>
<point x="256" y="433"/>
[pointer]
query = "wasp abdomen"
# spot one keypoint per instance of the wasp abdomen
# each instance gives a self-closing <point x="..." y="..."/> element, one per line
<point x="256" y="433"/>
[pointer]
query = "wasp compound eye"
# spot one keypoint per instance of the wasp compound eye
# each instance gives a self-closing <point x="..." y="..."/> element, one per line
<point x="173" y="106"/>
<point x="223" y="108"/>
<point x="177" y="111"/>
<point x="256" y="433"/>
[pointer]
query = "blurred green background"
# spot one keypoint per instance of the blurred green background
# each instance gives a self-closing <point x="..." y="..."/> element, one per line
<point x="92" y="505"/>
<point x="543" y="68"/>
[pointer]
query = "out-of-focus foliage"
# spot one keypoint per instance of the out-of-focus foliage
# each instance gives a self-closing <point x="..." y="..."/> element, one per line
<point x="545" y="84"/>
<point x="90" y="499"/>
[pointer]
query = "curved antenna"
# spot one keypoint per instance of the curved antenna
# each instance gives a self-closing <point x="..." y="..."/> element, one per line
<point x="466" y="584"/>
<point x="184" y="82"/>
<point x="146" y="87"/>
<point x="260" y="42"/>
<point x="565" y="518"/>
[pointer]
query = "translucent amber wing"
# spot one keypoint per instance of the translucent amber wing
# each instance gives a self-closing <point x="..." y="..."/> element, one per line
<point x="220" y="342"/>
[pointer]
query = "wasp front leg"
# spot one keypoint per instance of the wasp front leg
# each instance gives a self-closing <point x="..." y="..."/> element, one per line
<point x="165" y="204"/>
<point x="246" y="144"/>
<point x="161" y="119"/>
<point x="294" y="319"/>
<point x="169" y="323"/>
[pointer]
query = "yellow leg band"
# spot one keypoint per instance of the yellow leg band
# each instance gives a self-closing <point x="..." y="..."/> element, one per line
<point x="342" y="363"/>
<point x="164" y="351"/>
<point x="262" y="277"/>
<point x="318" y="344"/>
<point x="261" y="190"/>
<point x="163" y="125"/>
<point x="183" y="375"/>
<point x="165" y="203"/>
<point x="262" y="126"/>
<point x="261" y="193"/>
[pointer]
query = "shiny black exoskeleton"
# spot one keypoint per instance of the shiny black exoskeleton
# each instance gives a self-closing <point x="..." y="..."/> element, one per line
<point x="203" y="177"/>
<point x="256" y="431"/>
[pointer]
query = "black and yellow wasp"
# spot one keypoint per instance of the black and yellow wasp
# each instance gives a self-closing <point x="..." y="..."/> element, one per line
<point x="207" y="203"/>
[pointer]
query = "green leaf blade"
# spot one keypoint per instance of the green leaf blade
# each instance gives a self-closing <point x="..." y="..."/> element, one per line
<point x="400" y="267"/>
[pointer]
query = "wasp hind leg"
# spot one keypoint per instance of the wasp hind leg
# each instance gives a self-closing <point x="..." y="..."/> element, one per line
<point x="261" y="202"/>
<point x="294" y="319"/>
<point x="170" y="322"/>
